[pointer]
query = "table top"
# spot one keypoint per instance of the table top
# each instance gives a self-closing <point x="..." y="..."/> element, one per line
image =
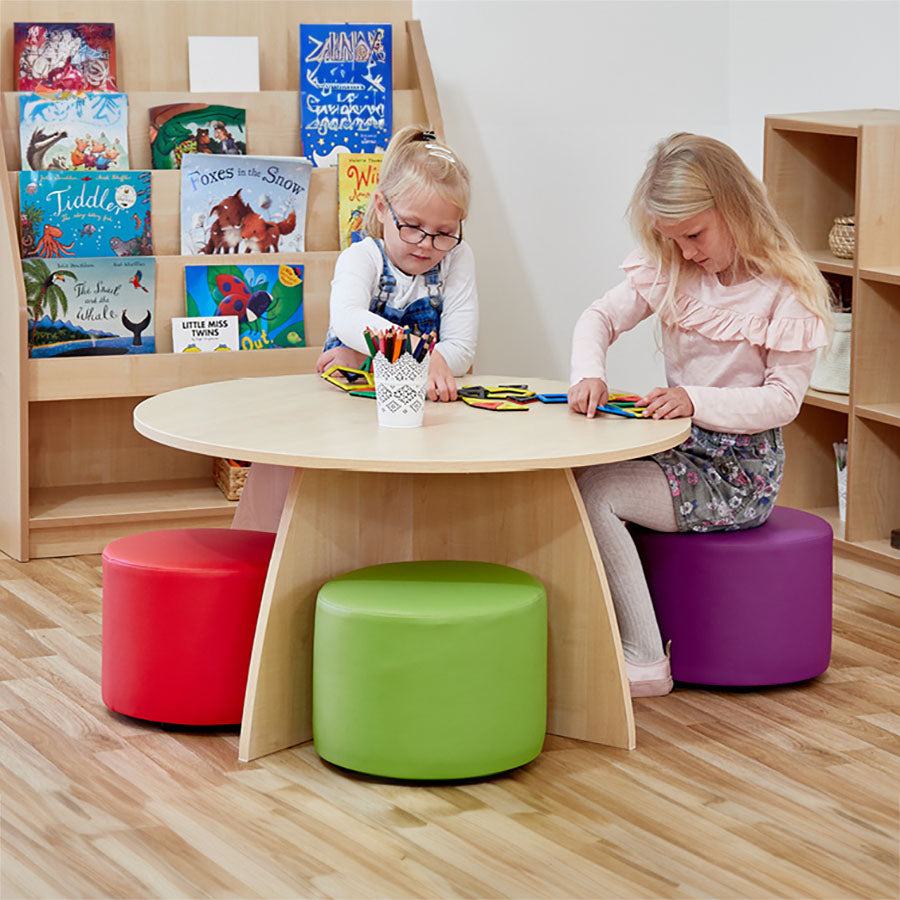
<point x="301" y="420"/>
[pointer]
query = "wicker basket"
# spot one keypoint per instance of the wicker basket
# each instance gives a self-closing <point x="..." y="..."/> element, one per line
<point x="842" y="237"/>
<point x="230" y="476"/>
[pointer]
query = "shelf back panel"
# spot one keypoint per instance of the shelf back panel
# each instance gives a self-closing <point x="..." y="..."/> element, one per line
<point x="151" y="35"/>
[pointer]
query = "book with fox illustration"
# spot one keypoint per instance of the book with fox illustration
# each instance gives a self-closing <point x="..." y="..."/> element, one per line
<point x="89" y="307"/>
<point x="346" y="100"/>
<point x="85" y="214"/>
<point x="177" y="129"/>
<point x="64" y="56"/>
<point x="267" y="300"/>
<point x="65" y="131"/>
<point x="252" y="204"/>
<point x="357" y="178"/>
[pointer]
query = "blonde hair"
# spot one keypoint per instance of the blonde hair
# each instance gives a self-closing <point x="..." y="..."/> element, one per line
<point x="416" y="161"/>
<point x="689" y="174"/>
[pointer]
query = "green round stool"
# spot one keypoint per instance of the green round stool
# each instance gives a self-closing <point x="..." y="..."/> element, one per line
<point x="430" y="670"/>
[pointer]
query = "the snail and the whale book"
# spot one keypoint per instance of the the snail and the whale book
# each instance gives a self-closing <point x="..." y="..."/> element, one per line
<point x="266" y="299"/>
<point x="89" y="307"/>
<point x="71" y="214"/>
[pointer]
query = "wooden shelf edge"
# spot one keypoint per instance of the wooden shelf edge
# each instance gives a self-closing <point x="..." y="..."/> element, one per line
<point x="886" y="274"/>
<point x="84" y="378"/>
<point x="70" y="506"/>
<point x="887" y="413"/>
<point x="828" y="262"/>
<point x="825" y="400"/>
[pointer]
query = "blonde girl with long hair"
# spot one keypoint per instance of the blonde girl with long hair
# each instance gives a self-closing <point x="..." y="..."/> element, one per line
<point x="412" y="266"/>
<point x="742" y="311"/>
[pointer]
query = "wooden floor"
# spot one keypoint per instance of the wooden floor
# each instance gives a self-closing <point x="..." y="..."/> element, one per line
<point x="787" y="792"/>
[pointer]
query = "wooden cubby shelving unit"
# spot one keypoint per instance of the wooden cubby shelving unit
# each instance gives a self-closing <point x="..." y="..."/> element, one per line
<point x="76" y="473"/>
<point x="819" y="166"/>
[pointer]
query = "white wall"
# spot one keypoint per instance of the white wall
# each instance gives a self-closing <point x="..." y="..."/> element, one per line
<point x="555" y="105"/>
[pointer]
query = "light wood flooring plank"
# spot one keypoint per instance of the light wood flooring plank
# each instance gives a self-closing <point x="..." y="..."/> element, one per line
<point x="788" y="791"/>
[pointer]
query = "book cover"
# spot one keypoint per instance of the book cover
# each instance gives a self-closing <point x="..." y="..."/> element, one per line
<point x="267" y="300"/>
<point x="85" y="214"/>
<point x="357" y="178"/>
<point x="346" y="104"/>
<point x="203" y="335"/>
<point x="64" y="56"/>
<point x="252" y="204"/>
<point x="180" y="128"/>
<point x="89" y="307"/>
<point x="73" y="131"/>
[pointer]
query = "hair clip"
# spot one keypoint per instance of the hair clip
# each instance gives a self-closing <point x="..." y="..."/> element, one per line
<point x="428" y="136"/>
<point x="440" y="152"/>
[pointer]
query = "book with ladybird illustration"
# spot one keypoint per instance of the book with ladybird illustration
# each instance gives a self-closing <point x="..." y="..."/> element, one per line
<point x="266" y="299"/>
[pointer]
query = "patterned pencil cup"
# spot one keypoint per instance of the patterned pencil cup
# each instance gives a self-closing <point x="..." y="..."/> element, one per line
<point x="400" y="391"/>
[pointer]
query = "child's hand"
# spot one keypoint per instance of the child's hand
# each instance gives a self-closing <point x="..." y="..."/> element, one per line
<point x="587" y="395"/>
<point x="441" y="383"/>
<point x="339" y="356"/>
<point x="667" y="403"/>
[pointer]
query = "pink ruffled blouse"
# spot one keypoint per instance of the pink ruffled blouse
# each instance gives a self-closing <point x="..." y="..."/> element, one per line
<point x="744" y="352"/>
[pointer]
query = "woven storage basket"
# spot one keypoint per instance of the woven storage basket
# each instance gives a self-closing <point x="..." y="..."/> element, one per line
<point x="842" y="237"/>
<point x="832" y="372"/>
<point x="229" y="478"/>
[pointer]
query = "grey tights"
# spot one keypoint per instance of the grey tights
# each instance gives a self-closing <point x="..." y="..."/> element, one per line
<point x="632" y="491"/>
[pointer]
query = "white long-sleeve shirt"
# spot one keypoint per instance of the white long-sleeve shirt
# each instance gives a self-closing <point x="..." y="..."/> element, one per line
<point x="356" y="276"/>
<point x="743" y="352"/>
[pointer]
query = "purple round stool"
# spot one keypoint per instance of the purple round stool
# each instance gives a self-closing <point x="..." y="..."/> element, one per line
<point x="744" y="607"/>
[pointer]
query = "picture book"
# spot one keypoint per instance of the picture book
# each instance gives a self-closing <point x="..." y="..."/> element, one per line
<point x="223" y="63"/>
<point x="267" y="300"/>
<point x="73" y="131"/>
<point x="253" y="204"/>
<point x="346" y="104"/>
<point x="64" y="56"/>
<point x="357" y="177"/>
<point x="201" y="335"/>
<point x="89" y="307"/>
<point x="85" y="214"/>
<point x="180" y="128"/>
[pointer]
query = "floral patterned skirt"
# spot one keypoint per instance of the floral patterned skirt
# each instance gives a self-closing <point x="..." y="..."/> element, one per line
<point x="722" y="481"/>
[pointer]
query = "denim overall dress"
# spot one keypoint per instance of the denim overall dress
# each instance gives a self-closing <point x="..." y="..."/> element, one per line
<point x="421" y="316"/>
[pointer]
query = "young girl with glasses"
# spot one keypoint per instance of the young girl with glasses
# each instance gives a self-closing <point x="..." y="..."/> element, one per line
<point x="742" y="311"/>
<point x="413" y="268"/>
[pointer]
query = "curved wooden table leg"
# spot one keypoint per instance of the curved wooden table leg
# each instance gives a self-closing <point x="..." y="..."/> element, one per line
<point x="334" y="521"/>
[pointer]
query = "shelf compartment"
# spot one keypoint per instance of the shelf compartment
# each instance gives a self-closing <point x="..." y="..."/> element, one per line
<point x="810" y="470"/>
<point x="876" y="324"/>
<point x="873" y="488"/>
<point x="811" y="178"/>
<point x="824" y="399"/>
<point x="828" y="262"/>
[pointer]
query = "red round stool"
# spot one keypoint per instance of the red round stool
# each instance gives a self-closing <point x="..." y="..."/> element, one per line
<point x="179" y="616"/>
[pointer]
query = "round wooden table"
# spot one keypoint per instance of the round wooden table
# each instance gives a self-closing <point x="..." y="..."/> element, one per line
<point x="468" y="484"/>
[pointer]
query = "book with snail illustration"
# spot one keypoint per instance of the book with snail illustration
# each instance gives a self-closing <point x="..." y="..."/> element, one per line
<point x="67" y="131"/>
<point x="357" y="177"/>
<point x="243" y="204"/>
<point x="89" y="307"/>
<point x="266" y="300"/>
<point x="71" y="214"/>
<point x="177" y="129"/>
<point x="64" y="56"/>
<point x="346" y="100"/>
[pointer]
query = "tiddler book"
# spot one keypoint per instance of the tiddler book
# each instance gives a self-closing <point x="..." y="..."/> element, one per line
<point x="85" y="214"/>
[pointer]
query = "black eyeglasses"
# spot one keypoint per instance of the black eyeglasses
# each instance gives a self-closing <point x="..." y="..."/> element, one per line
<point x="412" y="234"/>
